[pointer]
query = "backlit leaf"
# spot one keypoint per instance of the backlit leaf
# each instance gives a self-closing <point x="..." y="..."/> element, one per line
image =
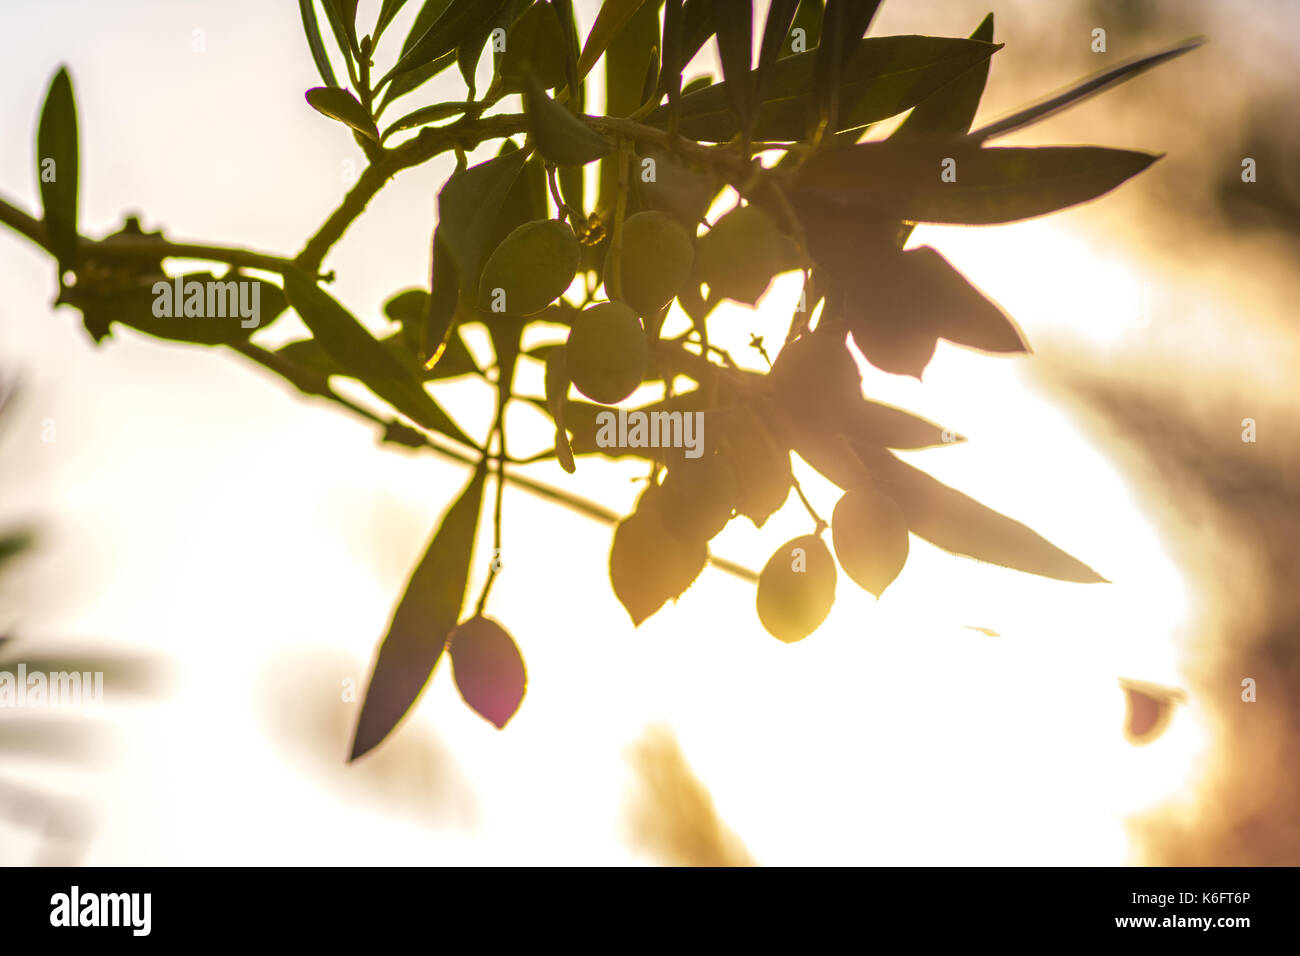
<point x="613" y="14"/>
<point x="341" y="105"/>
<point x="901" y="179"/>
<point x="467" y="210"/>
<point x="57" y="162"/>
<point x="422" y="621"/>
<point x="311" y="27"/>
<point x="559" y="135"/>
<point x="733" y="22"/>
<point x="358" y="352"/>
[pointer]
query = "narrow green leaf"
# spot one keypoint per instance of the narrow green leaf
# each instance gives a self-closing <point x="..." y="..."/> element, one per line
<point x="425" y="115"/>
<point x="809" y="20"/>
<point x="319" y="56"/>
<point x="843" y="24"/>
<point x="57" y="161"/>
<point x="415" y="78"/>
<point x="1086" y="88"/>
<point x="904" y="179"/>
<point x="697" y="27"/>
<point x="942" y="515"/>
<point x="670" y="57"/>
<point x="460" y="20"/>
<point x="341" y="105"/>
<point x="733" y="22"/>
<point x="775" y="31"/>
<point x="559" y="135"/>
<point x="536" y="42"/>
<point x="455" y="361"/>
<point x="884" y="77"/>
<point x="626" y="61"/>
<point x="613" y="14"/>
<point x="342" y="25"/>
<point x="468" y="206"/>
<point x="440" y="309"/>
<point x="425" y="616"/>
<point x="358" y="352"/>
<point x="950" y="110"/>
<point x="161" y="310"/>
<point x="387" y="12"/>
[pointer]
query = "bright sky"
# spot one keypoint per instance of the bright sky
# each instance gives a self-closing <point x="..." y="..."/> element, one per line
<point x="197" y="508"/>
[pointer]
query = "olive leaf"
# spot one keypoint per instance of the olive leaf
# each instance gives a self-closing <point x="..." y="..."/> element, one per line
<point x="536" y="42"/>
<point x="902" y="179"/>
<point x="387" y="12"/>
<point x="843" y="23"/>
<point x="613" y="14"/>
<point x="649" y="565"/>
<point x="467" y="210"/>
<point x="424" y="618"/>
<point x="776" y="30"/>
<point x="557" y="390"/>
<point x="311" y="27"/>
<point x="941" y="515"/>
<point x="627" y="61"/>
<point x="439" y="310"/>
<point x="459" y="20"/>
<point x="950" y="110"/>
<point x="1084" y="89"/>
<point x="341" y="105"/>
<point x="219" y="324"/>
<point x="425" y="114"/>
<point x="360" y="355"/>
<point x="883" y="77"/>
<point x="57" y="163"/>
<point x="559" y="135"/>
<point x="342" y="17"/>
<point x="733" y="22"/>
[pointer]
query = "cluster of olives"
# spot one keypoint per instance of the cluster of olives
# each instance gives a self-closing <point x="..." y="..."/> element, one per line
<point x="661" y="548"/>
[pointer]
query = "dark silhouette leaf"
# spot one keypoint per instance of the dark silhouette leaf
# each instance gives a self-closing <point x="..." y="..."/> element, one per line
<point x="468" y="206"/>
<point x="670" y="57"/>
<point x="455" y="361"/>
<point x="440" y="307"/>
<point x="559" y="135"/>
<point x="311" y="27"/>
<point x="342" y="17"/>
<point x="146" y="308"/>
<point x="341" y="105"/>
<point x="415" y="78"/>
<point x="776" y="31"/>
<point x="57" y="161"/>
<point x="843" y="24"/>
<point x="808" y="18"/>
<point x="557" y="391"/>
<point x="627" y="60"/>
<point x="950" y="110"/>
<point x="1081" y="91"/>
<point x="883" y="77"/>
<point x="902" y="179"/>
<point x="613" y="14"/>
<point x="943" y="516"/>
<point x="460" y="20"/>
<point x="733" y="22"/>
<point x="423" y="620"/>
<point x="424" y="115"/>
<point x="536" y="43"/>
<point x="350" y="344"/>
<point x="387" y="12"/>
<point x="488" y="669"/>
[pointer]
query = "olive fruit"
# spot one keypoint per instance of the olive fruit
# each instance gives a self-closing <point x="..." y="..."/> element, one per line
<point x="741" y="253"/>
<point x="606" y="352"/>
<point x="816" y="378"/>
<point x="796" y="588"/>
<point x="655" y="261"/>
<point x="488" y="669"/>
<point x="530" y="269"/>
<point x="870" y="536"/>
